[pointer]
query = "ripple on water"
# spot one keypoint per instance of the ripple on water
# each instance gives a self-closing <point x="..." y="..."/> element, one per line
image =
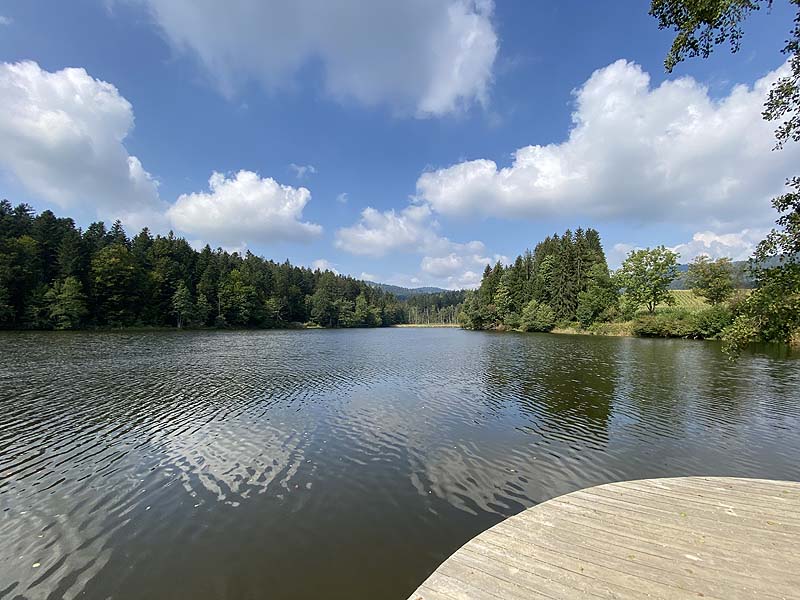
<point x="124" y="458"/>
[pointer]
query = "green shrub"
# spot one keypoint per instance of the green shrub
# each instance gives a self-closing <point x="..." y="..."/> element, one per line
<point x="664" y="323"/>
<point x="709" y="322"/>
<point x="537" y="316"/>
<point x="512" y="320"/>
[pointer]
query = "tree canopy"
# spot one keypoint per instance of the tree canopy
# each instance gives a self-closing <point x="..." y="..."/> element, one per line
<point x="772" y="311"/>
<point x="54" y="275"/>
<point x="557" y="275"/>
<point x="645" y="277"/>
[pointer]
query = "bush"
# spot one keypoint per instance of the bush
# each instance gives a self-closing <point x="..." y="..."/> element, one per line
<point x="665" y="323"/>
<point x="676" y="322"/>
<point x="512" y="320"/>
<point x="537" y="317"/>
<point x="709" y="323"/>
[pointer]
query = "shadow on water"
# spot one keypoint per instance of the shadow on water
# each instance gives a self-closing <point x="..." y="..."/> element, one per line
<point x="341" y="463"/>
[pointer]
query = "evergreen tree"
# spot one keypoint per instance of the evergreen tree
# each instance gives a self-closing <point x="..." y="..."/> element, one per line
<point x="66" y="303"/>
<point x="503" y="300"/>
<point x="182" y="305"/>
<point x="47" y="265"/>
<point x="600" y="297"/>
<point x="537" y="316"/>
<point x="114" y="277"/>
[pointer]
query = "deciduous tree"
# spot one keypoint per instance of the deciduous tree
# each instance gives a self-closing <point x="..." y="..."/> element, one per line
<point x="645" y="277"/>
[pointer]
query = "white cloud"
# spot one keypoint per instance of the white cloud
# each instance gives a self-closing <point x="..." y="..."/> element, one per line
<point x="669" y="153"/>
<point x="735" y="245"/>
<point x="244" y="208"/>
<point x="301" y="171"/>
<point x="413" y="230"/>
<point x="368" y="276"/>
<point x="378" y="232"/>
<point x="458" y="270"/>
<point x="618" y="253"/>
<point x="427" y="57"/>
<point x="324" y="265"/>
<point x="342" y="198"/>
<point x="62" y="138"/>
<point x="6" y="20"/>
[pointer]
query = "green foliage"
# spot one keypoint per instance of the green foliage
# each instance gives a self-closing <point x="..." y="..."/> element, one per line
<point x="645" y="276"/>
<point x="66" y="303"/>
<point x="513" y="320"/>
<point x="202" y="309"/>
<point x="6" y="311"/>
<point x="537" y="316"/>
<point x="54" y="275"/>
<point x="707" y="323"/>
<point x="672" y="322"/>
<point x="600" y="298"/>
<point x="772" y="312"/>
<point x="712" y="280"/>
<point x="710" y="322"/>
<point x="702" y="24"/>
<point x="113" y="276"/>
<point x="502" y="300"/>
<point x="182" y="305"/>
<point x="556" y="273"/>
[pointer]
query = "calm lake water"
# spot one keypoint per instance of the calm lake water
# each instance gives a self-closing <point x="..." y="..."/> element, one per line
<point x="341" y="464"/>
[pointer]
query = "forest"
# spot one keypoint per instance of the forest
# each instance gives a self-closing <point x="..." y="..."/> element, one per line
<point x="565" y="284"/>
<point x="565" y="276"/>
<point x="53" y="275"/>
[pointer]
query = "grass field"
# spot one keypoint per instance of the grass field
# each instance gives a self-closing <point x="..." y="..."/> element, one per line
<point x="686" y="299"/>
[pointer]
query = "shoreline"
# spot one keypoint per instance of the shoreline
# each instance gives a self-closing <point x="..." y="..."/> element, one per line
<point x="425" y="326"/>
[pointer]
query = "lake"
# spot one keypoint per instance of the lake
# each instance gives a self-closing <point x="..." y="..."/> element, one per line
<point x="342" y="463"/>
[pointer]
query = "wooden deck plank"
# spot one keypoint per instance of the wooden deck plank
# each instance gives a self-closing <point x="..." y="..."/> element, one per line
<point x="674" y="538"/>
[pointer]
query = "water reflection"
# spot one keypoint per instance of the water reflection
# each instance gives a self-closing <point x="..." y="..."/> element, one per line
<point x="343" y="463"/>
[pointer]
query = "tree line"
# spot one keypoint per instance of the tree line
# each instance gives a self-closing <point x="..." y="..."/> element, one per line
<point x="563" y="277"/>
<point x="435" y="308"/>
<point x="53" y="275"/>
<point x="566" y="281"/>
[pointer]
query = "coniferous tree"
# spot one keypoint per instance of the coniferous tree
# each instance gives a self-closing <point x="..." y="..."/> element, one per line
<point x="182" y="305"/>
<point x="66" y="303"/>
<point x="48" y="266"/>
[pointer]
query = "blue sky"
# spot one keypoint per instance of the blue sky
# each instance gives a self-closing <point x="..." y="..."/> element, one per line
<point x="427" y="136"/>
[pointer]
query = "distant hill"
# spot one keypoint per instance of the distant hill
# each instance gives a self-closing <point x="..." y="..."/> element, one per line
<point x="401" y="293"/>
<point x="740" y="267"/>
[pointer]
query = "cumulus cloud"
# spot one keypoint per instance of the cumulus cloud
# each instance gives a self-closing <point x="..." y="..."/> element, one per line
<point x="669" y="153"/>
<point x="413" y="230"/>
<point x="6" y="20"/>
<point x="301" y="171"/>
<point x="62" y="138"/>
<point x="434" y="56"/>
<point x="244" y="208"/>
<point x="380" y="232"/>
<point x="324" y="265"/>
<point x="735" y="245"/>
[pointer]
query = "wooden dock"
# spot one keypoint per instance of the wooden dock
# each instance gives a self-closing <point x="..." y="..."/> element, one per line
<point x="690" y="537"/>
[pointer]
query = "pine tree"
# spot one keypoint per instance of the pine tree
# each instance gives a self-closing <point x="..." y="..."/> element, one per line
<point x="66" y="303"/>
<point x="182" y="306"/>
